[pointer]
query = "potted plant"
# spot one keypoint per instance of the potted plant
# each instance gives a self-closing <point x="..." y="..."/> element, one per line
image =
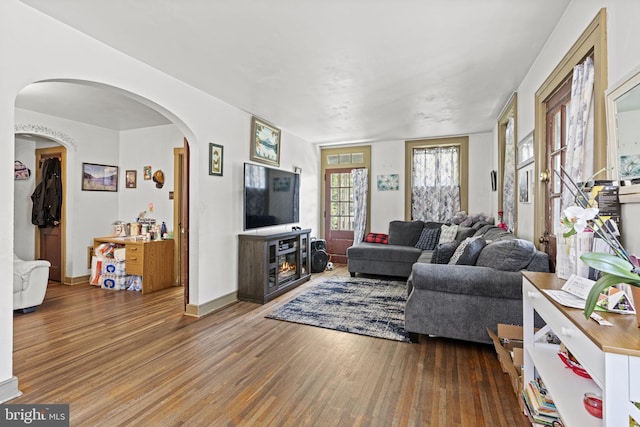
<point x="616" y="267"/>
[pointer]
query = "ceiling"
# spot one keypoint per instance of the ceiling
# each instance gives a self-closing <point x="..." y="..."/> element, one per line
<point x="327" y="71"/>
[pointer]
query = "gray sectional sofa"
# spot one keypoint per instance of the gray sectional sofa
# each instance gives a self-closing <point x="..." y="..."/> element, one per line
<point x="459" y="288"/>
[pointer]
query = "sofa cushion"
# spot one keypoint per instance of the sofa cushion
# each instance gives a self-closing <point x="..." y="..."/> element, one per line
<point x="428" y="239"/>
<point x="492" y="233"/>
<point x="507" y="255"/>
<point x="389" y="253"/>
<point x="377" y="238"/>
<point x="405" y="233"/>
<point x="464" y="232"/>
<point x="432" y="224"/>
<point x="443" y="252"/>
<point x="471" y="252"/>
<point x="448" y="233"/>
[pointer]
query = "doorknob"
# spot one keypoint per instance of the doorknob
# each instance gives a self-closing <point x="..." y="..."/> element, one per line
<point x="544" y="176"/>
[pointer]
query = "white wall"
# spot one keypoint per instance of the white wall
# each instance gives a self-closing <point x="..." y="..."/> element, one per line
<point x="56" y="51"/>
<point x="23" y="239"/>
<point x="388" y="158"/>
<point x="147" y="147"/>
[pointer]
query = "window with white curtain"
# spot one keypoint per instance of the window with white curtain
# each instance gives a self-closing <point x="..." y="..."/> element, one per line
<point x="435" y="183"/>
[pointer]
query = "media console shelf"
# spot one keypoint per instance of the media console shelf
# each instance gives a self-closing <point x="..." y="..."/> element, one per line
<point x="271" y="264"/>
<point x="610" y="354"/>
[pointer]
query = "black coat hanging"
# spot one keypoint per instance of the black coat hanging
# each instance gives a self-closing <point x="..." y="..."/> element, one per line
<point x="47" y="197"/>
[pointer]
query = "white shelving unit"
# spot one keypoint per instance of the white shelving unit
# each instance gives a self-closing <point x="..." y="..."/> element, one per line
<point x="611" y="355"/>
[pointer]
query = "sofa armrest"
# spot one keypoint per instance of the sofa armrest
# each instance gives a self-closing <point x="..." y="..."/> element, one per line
<point x="24" y="268"/>
<point x="467" y="279"/>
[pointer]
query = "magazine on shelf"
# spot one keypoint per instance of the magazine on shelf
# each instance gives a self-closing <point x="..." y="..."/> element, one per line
<point x="576" y="289"/>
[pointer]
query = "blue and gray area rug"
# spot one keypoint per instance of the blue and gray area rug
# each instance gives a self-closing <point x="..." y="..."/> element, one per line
<point x="371" y="307"/>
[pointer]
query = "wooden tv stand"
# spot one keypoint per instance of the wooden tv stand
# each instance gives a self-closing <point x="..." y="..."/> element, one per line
<point x="271" y="264"/>
<point x="153" y="260"/>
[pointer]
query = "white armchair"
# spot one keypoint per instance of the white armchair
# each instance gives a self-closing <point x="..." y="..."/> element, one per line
<point x="30" y="280"/>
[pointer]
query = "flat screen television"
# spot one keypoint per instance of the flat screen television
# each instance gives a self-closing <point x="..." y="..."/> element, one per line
<point x="271" y="196"/>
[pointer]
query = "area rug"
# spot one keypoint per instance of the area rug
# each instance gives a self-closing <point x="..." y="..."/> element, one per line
<point x="372" y="307"/>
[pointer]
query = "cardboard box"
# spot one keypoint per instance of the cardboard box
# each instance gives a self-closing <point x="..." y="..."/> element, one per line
<point x="508" y="344"/>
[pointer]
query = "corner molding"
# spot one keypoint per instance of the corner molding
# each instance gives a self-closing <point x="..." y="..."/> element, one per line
<point x="211" y="306"/>
<point x="9" y="389"/>
<point x="45" y="131"/>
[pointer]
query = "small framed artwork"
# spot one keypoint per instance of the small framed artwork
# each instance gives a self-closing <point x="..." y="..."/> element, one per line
<point x="215" y="159"/>
<point x="525" y="150"/>
<point x="99" y="177"/>
<point x="146" y="172"/>
<point x="130" y="179"/>
<point x="523" y="186"/>
<point x="388" y="182"/>
<point x="265" y="142"/>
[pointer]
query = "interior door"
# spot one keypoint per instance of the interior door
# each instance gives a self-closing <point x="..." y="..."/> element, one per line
<point x="50" y="241"/>
<point x="339" y="211"/>
<point x="556" y="145"/>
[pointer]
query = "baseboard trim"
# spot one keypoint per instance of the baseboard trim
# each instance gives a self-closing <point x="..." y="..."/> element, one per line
<point x="211" y="306"/>
<point x="80" y="280"/>
<point x="9" y="389"/>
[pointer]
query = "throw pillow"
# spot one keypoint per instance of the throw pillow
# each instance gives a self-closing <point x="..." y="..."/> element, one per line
<point x="507" y="255"/>
<point x="459" y="250"/>
<point x="472" y="251"/>
<point x="448" y="233"/>
<point x="405" y="233"/>
<point x="377" y="238"/>
<point x="443" y="252"/>
<point x="428" y="239"/>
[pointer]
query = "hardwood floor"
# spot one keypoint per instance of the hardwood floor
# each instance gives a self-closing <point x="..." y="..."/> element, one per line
<point x="122" y="358"/>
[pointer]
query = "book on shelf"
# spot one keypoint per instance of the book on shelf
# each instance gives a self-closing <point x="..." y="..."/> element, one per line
<point x="539" y="405"/>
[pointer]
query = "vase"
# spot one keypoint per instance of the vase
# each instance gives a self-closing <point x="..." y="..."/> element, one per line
<point x="635" y="293"/>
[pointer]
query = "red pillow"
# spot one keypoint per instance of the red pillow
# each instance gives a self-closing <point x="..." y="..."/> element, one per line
<point x="377" y="238"/>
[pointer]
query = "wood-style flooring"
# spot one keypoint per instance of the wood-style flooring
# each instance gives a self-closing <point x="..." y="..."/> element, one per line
<point x="122" y="358"/>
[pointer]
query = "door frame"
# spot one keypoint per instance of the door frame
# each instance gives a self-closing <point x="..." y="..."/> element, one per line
<point x="331" y="237"/>
<point x="593" y="39"/>
<point x="181" y="218"/>
<point x="342" y="152"/>
<point x="50" y="152"/>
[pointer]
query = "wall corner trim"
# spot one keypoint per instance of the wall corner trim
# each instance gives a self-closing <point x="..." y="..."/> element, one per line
<point x="9" y="389"/>
<point x="211" y="306"/>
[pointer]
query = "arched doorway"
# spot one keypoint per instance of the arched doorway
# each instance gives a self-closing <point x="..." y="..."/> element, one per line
<point x="112" y="99"/>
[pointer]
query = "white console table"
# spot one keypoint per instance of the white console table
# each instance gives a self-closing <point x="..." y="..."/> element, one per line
<point x="611" y="355"/>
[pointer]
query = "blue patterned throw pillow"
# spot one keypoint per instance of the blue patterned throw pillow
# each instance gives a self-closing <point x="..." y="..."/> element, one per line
<point x="428" y="239"/>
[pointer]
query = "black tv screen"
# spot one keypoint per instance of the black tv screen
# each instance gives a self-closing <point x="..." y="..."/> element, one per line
<point x="271" y="196"/>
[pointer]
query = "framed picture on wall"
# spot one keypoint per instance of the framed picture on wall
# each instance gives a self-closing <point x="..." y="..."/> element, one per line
<point x="215" y="159"/>
<point x="523" y="186"/>
<point x="130" y="179"/>
<point x="265" y="142"/>
<point x="525" y="150"/>
<point x="97" y="177"/>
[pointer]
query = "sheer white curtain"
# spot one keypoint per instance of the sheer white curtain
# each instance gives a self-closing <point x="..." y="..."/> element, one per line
<point x="579" y="156"/>
<point x="435" y="193"/>
<point x="360" y="185"/>
<point x="508" y="190"/>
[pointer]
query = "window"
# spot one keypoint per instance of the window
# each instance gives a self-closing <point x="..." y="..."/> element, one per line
<point x="436" y="178"/>
<point x="341" y="200"/>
